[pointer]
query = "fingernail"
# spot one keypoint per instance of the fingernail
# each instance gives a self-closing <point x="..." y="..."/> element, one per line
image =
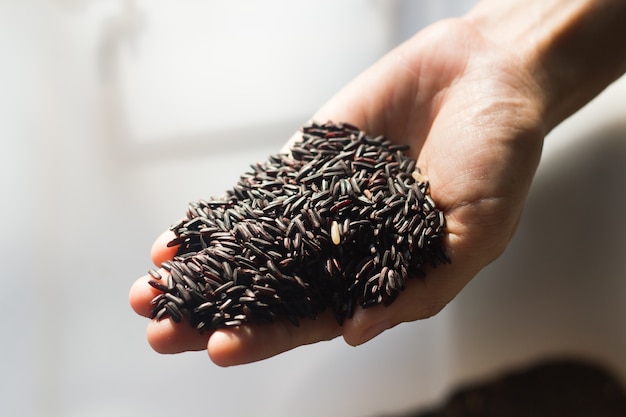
<point x="374" y="331"/>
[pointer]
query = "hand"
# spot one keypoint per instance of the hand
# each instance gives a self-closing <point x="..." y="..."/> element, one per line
<point x="472" y="115"/>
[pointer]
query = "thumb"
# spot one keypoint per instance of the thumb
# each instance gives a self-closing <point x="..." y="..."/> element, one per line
<point x="422" y="298"/>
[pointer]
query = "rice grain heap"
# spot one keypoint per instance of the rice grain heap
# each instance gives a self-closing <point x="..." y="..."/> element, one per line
<point x="342" y="220"/>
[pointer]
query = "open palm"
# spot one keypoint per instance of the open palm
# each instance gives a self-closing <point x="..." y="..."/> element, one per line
<point x="472" y="116"/>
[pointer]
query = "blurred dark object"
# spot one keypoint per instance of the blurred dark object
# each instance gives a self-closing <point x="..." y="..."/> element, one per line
<point x="558" y="388"/>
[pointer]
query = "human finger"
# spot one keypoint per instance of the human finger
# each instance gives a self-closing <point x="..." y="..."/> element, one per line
<point x="422" y="298"/>
<point x="160" y="251"/>
<point x="141" y="295"/>
<point x="255" y="342"/>
<point x="167" y="336"/>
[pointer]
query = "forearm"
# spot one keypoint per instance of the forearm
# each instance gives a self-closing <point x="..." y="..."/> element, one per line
<point x="572" y="48"/>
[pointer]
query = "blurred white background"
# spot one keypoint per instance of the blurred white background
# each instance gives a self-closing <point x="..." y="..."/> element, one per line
<point x="115" y="114"/>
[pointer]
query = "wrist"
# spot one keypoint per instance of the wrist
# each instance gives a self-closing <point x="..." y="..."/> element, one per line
<point x="572" y="49"/>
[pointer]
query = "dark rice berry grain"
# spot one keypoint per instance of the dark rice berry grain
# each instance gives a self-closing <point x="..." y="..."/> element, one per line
<point x="343" y="220"/>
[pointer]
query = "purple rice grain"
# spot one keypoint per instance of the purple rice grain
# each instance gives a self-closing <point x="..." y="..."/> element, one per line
<point x="342" y="220"/>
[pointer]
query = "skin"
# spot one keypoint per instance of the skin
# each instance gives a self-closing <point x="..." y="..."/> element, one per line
<point x="474" y="97"/>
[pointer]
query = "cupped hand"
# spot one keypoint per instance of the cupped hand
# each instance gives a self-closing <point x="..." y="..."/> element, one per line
<point x="472" y="115"/>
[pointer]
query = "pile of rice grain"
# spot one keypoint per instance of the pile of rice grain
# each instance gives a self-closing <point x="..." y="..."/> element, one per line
<point x="342" y="220"/>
